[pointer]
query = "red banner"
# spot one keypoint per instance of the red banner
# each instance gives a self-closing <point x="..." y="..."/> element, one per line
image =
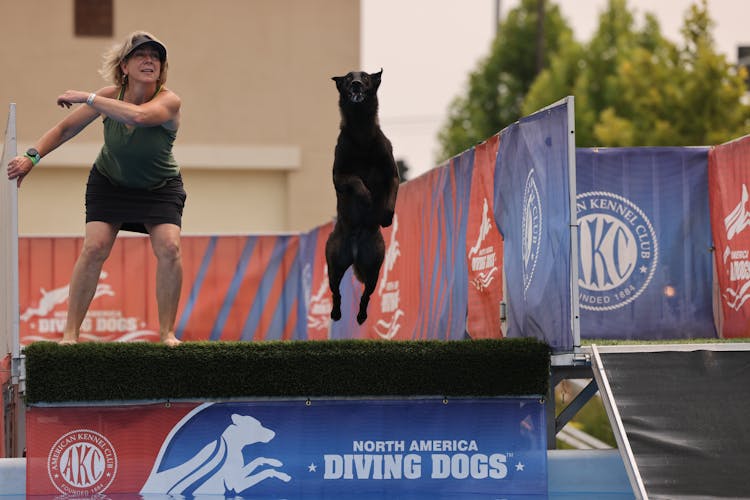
<point x="728" y="181"/>
<point x="85" y="451"/>
<point x="394" y="306"/>
<point x="319" y="293"/>
<point x="122" y="308"/>
<point x="234" y="288"/>
<point x="484" y="247"/>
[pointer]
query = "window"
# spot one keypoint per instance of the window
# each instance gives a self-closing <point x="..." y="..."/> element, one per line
<point x="93" y="18"/>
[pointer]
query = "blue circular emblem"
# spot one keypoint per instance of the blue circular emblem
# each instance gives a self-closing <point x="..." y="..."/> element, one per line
<point x="531" y="229"/>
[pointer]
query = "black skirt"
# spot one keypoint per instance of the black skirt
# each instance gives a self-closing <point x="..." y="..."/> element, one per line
<point x="134" y="208"/>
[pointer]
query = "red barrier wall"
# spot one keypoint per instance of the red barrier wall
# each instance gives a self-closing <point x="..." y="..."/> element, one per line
<point x="729" y="178"/>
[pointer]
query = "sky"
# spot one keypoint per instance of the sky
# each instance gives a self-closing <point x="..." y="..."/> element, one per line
<point x="428" y="48"/>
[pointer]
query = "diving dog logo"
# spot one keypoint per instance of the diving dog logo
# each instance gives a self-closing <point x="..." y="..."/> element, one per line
<point x="618" y="251"/>
<point x="219" y="467"/>
<point x="737" y="260"/>
<point x="483" y="259"/>
<point x="319" y="305"/>
<point x="51" y="299"/>
<point x="531" y="229"/>
<point x="388" y="291"/>
<point x="82" y="463"/>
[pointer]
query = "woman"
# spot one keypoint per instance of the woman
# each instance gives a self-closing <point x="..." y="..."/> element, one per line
<point x="135" y="183"/>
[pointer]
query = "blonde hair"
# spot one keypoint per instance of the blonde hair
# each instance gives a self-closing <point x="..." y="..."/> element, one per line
<point x="111" y="70"/>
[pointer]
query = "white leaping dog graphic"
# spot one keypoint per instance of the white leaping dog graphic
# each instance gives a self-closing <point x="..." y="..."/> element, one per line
<point x="484" y="229"/>
<point x="57" y="296"/>
<point x="391" y="254"/>
<point x="220" y="468"/>
<point x="317" y="319"/>
<point x="738" y="219"/>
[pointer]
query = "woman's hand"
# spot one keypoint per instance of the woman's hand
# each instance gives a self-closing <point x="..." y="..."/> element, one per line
<point x="70" y="97"/>
<point x="18" y="167"/>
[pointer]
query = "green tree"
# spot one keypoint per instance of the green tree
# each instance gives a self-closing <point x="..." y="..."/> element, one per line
<point x="497" y="88"/>
<point x="713" y="110"/>
<point x="636" y="88"/>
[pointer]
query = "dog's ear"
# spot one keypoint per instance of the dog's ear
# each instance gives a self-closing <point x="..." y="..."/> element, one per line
<point x="338" y="80"/>
<point x="376" y="78"/>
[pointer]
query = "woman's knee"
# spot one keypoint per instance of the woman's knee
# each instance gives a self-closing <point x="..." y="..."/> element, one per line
<point x="165" y="241"/>
<point x="95" y="249"/>
<point x="167" y="249"/>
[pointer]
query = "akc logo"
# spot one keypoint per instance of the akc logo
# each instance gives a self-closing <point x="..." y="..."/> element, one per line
<point x="82" y="462"/>
<point x="619" y="251"/>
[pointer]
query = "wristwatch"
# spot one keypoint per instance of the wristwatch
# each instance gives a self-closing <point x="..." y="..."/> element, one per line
<point x="33" y="155"/>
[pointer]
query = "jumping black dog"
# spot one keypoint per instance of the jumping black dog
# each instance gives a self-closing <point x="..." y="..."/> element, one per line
<point x="366" y="180"/>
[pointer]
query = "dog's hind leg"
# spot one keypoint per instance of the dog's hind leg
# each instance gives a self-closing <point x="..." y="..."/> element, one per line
<point x="338" y="257"/>
<point x="364" y="301"/>
<point x="367" y="263"/>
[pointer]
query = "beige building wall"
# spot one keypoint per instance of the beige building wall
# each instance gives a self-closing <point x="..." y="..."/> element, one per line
<point x="259" y="116"/>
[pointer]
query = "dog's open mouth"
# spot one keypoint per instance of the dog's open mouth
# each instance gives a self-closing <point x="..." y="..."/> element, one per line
<point x="356" y="96"/>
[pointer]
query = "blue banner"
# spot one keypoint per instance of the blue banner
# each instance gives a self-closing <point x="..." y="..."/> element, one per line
<point x="422" y="448"/>
<point x="645" y="243"/>
<point x="532" y="210"/>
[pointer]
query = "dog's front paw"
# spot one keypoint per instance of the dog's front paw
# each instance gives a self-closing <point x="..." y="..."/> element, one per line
<point x="387" y="218"/>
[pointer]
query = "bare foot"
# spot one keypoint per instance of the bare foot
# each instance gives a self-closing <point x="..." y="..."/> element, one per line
<point x="68" y="339"/>
<point x="170" y="340"/>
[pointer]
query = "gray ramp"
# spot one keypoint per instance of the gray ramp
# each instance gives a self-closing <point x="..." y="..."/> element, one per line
<point x="681" y="416"/>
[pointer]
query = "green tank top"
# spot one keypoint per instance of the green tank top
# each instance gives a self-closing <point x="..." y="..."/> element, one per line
<point x="137" y="157"/>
